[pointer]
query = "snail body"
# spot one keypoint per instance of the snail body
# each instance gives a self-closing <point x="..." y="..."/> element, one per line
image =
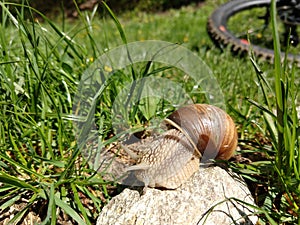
<point x="197" y="132"/>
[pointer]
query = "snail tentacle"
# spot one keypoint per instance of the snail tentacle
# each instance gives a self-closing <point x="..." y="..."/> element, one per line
<point x="185" y="133"/>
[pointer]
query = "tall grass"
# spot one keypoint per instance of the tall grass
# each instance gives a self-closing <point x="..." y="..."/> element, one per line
<point x="282" y="124"/>
<point x="40" y="165"/>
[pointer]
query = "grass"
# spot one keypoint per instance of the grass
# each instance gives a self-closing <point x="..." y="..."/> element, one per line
<point x="42" y="63"/>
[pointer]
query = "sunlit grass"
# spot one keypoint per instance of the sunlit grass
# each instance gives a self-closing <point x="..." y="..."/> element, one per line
<point x="41" y="64"/>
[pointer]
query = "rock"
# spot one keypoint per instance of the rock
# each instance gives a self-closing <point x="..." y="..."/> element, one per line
<point x="211" y="196"/>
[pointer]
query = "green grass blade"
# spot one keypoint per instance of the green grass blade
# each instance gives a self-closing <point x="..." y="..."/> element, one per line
<point x="17" y="150"/>
<point x="14" y="181"/>
<point x="19" y="216"/>
<point x="20" y="166"/>
<point x="68" y="210"/>
<point x="9" y="202"/>
<point x="96" y="201"/>
<point x="263" y="84"/>
<point x="278" y="84"/>
<point x="51" y="211"/>
<point x="277" y="55"/>
<point x="79" y="204"/>
<point x="10" y="15"/>
<point x="117" y="23"/>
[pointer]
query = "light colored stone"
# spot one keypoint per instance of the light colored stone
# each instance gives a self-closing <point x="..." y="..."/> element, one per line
<point x="208" y="197"/>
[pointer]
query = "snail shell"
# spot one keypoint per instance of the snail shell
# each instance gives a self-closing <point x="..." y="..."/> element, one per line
<point x="170" y="159"/>
<point x="210" y="128"/>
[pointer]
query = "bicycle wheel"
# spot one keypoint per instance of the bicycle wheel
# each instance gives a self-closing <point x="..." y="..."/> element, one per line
<point x="238" y="21"/>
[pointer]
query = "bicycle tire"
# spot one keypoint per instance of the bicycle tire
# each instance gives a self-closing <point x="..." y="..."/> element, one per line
<point x="222" y="36"/>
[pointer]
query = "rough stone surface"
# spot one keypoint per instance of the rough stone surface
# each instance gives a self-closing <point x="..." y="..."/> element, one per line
<point x="208" y="197"/>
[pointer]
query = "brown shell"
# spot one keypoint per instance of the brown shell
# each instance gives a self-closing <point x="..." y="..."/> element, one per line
<point x="210" y="128"/>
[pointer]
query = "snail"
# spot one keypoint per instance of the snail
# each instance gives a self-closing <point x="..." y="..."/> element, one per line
<point x="197" y="132"/>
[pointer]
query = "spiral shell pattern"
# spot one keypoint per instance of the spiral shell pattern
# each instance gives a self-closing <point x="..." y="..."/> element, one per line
<point x="210" y="128"/>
